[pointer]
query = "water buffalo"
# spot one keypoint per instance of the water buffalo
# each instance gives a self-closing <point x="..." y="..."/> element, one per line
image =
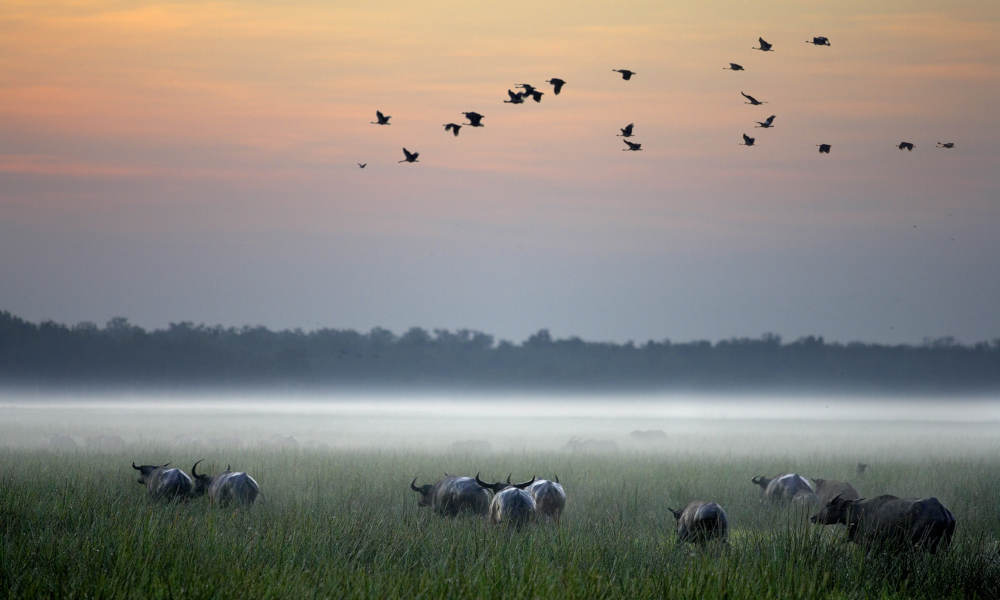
<point x="163" y="483"/>
<point x="891" y="522"/>
<point x="828" y="489"/>
<point x="453" y="495"/>
<point x="549" y="497"/>
<point x="511" y="505"/>
<point x="701" y="521"/>
<point x="789" y="488"/>
<point x="226" y="487"/>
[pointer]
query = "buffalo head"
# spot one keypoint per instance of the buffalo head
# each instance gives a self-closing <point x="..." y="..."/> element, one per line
<point x="835" y="511"/>
<point x="146" y="470"/>
<point x="501" y="485"/>
<point x="201" y="480"/>
<point x="425" y="492"/>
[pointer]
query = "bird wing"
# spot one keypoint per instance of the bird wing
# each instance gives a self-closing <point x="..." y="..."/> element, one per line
<point x="409" y="155"/>
<point x="770" y="120"/>
<point x="379" y="115"/>
<point x="628" y="128"/>
<point x="513" y="95"/>
<point x="747" y="139"/>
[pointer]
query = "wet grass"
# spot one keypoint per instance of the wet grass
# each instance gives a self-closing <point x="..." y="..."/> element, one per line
<point x="344" y="525"/>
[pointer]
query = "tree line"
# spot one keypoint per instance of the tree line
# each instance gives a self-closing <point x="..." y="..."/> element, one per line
<point x="49" y="353"/>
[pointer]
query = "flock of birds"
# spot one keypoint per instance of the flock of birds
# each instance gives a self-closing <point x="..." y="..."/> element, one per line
<point x="527" y="91"/>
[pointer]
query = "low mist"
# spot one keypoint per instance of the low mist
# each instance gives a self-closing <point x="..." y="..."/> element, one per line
<point x="856" y="428"/>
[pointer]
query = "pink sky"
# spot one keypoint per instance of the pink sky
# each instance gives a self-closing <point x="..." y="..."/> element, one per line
<point x="192" y="161"/>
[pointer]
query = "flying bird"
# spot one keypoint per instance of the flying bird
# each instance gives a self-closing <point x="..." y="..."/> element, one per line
<point x="747" y="140"/>
<point x="764" y="46"/>
<point x="382" y="119"/>
<point x="536" y="95"/>
<point x="528" y="88"/>
<point x="908" y="146"/>
<point x="751" y="99"/>
<point x="632" y="146"/>
<point x="515" y="97"/>
<point x="626" y="73"/>
<point x="411" y="157"/>
<point x="475" y="119"/>
<point x="733" y="67"/>
<point x="766" y="123"/>
<point x="819" y="40"/>
<point x="452" y="127"/>
<point x="823" y="148"/>
<point x="627" y="130"/>
<point x="946" y="144"/>
<point x="362" y="165"/>
<point x="557" y="84"/>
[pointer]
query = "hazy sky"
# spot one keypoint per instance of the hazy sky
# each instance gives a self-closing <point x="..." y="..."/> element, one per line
<point x="171" y="161"/>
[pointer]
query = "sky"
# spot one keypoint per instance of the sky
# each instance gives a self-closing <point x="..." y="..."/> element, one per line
<point x="196" y="161"/>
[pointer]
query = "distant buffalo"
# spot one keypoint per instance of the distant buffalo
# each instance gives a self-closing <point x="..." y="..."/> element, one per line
<point x="861" y="468"/>
<point x="511" y="505"/>
<point x="649" y="435"/>
<point x="226" y="487"/>
<point x="549" y="497"/>
<point x="828" y="489"/>
<point x="891" y="522"/>
<point x="784" y="489"/>
<point x="163" y="483"/>
<point x="701" y="521"/>
<point x="453" y="495"/>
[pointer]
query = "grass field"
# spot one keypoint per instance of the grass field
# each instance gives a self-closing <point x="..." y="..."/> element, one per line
<point x="341" y="522"/>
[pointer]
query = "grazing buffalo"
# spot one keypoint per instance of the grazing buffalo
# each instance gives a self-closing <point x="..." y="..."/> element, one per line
<point x="163" y="483"/>
<point x="453" y="495"/>
<point x="891" y="522"/>
<point x="511" y="505"/>
<point x="549" y="497"/>
<point x="788" y="488"/>
<point x="701" y="521"/>
<point x="226" y="487"/>
<point x="828" y="489"/>
<point x="861" y="468"/>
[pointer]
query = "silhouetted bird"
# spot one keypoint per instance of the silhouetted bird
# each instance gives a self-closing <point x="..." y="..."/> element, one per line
<point x="626" y="73"/>
<point x="528" y="88"/>
<point x="766" y="123"/>
<point x="751" y="99"/>
<point x="764" y="46"/>
<point x="453" y="127"/>
<point x="382" y="119"/>
<point x="362" y="165"/>
<point x="475" y="119"/>
<point x="823" y="148"/>
<point x="536" y="95"/>
<point x="747" y="140"/>
<point x="632" y="146"/>
<point x="819" y="40"/>
<point x="627" y="130"/>
<point x="906" y="146"/>
<point x="556" y="84"/>
<point x="410" y="156"/>
<point x="515" y="97"/>
<point x="733" y="67"/>
<point x="946" y="144"/>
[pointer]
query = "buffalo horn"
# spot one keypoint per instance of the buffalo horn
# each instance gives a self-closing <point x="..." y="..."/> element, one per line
<point x="413" y="485"/>
<point x="194" y="467"/>
<point x="135" y="467"/>
<point x="521" y="486"/>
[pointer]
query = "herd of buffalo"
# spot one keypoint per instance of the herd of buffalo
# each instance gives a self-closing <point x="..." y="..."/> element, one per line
<point x="887" y="521"/>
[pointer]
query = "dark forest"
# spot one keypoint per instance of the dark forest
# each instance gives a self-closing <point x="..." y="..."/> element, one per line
<point x="185" y="354"/>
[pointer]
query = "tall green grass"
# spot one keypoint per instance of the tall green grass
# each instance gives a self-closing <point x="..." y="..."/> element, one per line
<point x="344" y="524"/>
